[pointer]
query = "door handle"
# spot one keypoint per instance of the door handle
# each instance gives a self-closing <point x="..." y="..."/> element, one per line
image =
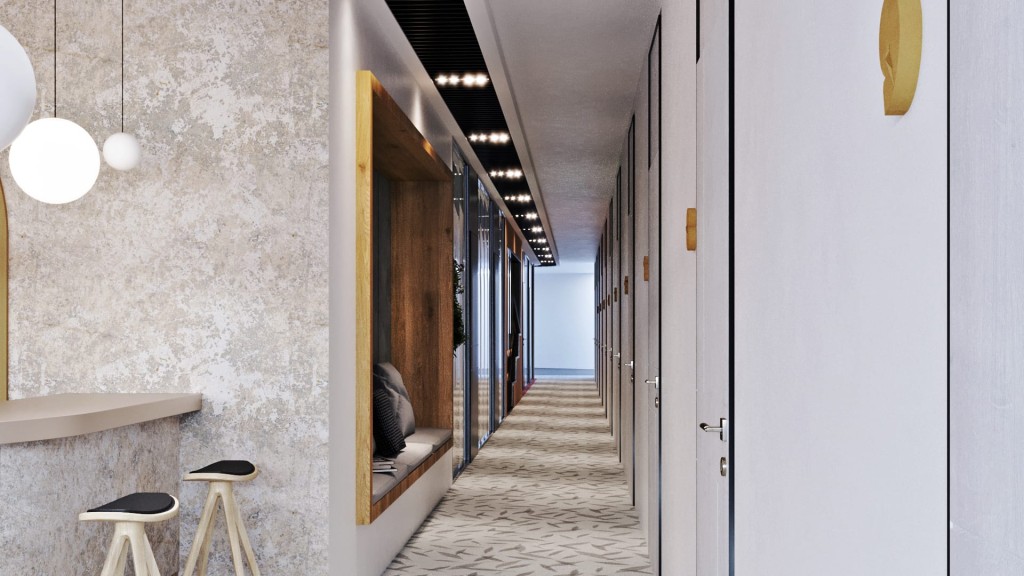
<point x="656" y="382"/>
<point x="630" y="364"/>
<point x="722" y="429"/>
<point x="618" y="355"/>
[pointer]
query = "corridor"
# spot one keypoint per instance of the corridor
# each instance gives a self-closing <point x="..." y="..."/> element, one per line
<point x="546" y="495"/>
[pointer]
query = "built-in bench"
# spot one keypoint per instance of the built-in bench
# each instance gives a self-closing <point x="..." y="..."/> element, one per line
<point x="419" y="448"/>
<point x="404" y="289"/>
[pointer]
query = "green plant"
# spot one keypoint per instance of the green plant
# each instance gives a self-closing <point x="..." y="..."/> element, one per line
<point x="459" y="326"/>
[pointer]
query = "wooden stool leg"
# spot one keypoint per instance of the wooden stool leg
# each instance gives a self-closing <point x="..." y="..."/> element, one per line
<point x="198" y="540"/>
<point x="154" y="569"/>
<point x="116" y="551"/>
<point x="231" y="515"/>
<point x="245" y="543"/>
<point x="204" y="553"/>
<point x="122" y="562"/>
<point x="136" y="537"/>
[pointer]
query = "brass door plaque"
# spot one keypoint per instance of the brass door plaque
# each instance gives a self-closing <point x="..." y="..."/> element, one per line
<point x="691" y="229"/>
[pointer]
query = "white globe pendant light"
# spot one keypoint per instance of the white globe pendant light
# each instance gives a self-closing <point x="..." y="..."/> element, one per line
<point x="122" y="151"/>
<point x="55" y="161"/>
<point x="17" y="88"/>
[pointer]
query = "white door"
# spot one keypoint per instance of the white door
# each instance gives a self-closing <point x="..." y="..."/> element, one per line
<point x="627" y="437"/>
<point x="840" y="297"/>
<point x="642" y="318"/>
<point x="986" y="275"/>
<point x="713" y="291"/>
<point x="609" y="243"/>
<point x="616" y="358"/>
<point x="654" y="310"/>
<point x="602" y="383"/>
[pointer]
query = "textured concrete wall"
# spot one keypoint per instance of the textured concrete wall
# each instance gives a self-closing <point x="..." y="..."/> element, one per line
<point x="44" y="485"/>
<point x="204" y="270"/>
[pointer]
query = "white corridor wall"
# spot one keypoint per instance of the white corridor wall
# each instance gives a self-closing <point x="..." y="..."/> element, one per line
<point x="564" y="317"/>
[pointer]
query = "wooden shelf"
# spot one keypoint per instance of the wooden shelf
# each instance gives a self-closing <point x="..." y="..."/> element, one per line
<point x="417" y="256"/>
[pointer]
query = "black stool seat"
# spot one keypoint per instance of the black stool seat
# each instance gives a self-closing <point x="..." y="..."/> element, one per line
<point x="139" y="503"/>
<point x="229" y="467"/>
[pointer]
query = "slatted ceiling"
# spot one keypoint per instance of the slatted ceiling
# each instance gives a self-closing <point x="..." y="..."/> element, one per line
<point x="442" y="35"/>
<point x="441" y="32"/>
<point x="497" y="157"/>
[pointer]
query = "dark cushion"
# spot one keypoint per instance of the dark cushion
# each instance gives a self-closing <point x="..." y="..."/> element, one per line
<point x="139" y="503"/>
<point x="230" y="467"/>
<point x="386" y="431"/>
<point x="391" y="379"/>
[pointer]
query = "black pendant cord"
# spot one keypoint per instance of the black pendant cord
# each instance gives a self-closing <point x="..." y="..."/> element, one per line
<point x="122" y="65"/>
<point x="54" y="58"/>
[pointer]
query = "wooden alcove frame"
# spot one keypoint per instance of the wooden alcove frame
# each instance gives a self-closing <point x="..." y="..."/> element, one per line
<point x="387" y="143"/>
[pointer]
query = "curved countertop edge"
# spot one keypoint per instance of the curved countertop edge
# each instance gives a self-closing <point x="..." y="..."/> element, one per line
<point x="66" y="415"/>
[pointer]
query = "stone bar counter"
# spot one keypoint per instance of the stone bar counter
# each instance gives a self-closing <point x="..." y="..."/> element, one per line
<point x="65" y="453"/>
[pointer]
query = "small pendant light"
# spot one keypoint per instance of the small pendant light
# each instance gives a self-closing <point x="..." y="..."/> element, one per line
<point x="122" y="151"/>
<point x="55" y="160"/>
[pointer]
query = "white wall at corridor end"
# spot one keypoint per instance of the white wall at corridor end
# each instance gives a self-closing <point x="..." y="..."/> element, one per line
<point x="564" y="316"/>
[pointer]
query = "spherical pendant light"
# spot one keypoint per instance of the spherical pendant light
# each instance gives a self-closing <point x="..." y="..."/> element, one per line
<point x="122" y="151"/>
<point x="55" y="161"/>
<point x="17" y="88"/>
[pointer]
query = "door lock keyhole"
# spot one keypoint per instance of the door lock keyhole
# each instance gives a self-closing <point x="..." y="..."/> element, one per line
<point x="724" y="467"/>
<point x="657" y="401"/>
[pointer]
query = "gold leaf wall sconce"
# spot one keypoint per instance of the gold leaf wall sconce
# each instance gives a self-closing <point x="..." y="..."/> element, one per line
<point x="899" y="53"/>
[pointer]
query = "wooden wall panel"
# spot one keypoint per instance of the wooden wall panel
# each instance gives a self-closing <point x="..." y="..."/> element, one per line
<point x="381" y="269"/>
<point x="364" y="296"/>
<point x="421" y="297"/>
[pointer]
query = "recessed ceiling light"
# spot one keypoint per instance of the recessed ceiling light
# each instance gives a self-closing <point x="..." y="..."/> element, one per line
<point x="491" y="138"/>
<point x="469" y="80"/>
<point x="511" y="174"/>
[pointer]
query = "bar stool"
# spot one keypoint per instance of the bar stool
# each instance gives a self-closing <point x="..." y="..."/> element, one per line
<point x="130" y="515"/>
<point x="222" y="476"/>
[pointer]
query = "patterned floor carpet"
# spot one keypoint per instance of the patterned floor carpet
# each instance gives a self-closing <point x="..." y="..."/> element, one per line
<point x="546" y="495"/>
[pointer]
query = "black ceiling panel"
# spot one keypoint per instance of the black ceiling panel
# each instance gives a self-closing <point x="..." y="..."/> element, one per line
<point x="442" y="35"/>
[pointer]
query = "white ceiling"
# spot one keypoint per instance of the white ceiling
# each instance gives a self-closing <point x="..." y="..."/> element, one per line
<point x="571" y="70"/>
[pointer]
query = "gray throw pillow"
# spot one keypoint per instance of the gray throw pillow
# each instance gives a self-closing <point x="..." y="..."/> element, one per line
<point x="388" y="376"/>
